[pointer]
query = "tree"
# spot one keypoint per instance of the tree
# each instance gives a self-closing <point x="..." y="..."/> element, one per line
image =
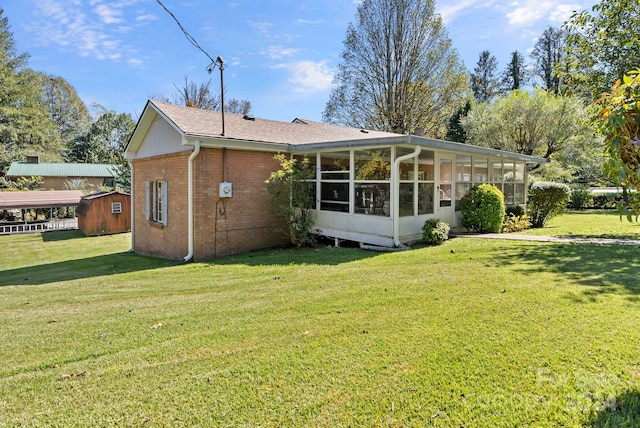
<point x="238" y="106"/>
<point x="455" y="130"/>
<point x="515" y="76"/>
<point x="537" y="123"/>
<point x="67" y="111"/>
<point x="398" y="72"/>
<point x="104" y="142"/>
<point x="484" y="82"/>
<point x="25" y="127"/>
<point x="619" y="121"/>
<point x="547" y="57"/>
<point x="200" y="96"/>
<point x="602" y="46"/>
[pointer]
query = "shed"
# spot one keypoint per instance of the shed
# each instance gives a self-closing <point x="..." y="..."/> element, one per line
<point x="104" y="213"/>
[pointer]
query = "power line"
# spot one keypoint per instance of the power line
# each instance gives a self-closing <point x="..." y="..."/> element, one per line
<point x="189" y="37"/>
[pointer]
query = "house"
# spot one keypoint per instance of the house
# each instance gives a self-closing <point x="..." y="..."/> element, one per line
<point x="58" y="176"/>
<point x="104" y="213"/>
<point x="199" y="192"/>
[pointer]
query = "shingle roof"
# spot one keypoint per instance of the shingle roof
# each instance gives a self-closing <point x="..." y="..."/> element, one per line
<point x="39" y="199"/>
<point x="24" y="169"/>
<point x="206" y="123"/>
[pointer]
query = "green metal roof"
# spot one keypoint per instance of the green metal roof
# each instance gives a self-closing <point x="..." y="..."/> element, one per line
<point x="83" y="170"/>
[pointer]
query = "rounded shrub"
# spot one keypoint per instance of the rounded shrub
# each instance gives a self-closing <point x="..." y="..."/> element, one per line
<point x="482" y="209"/>
<point x="435" y="232"/>
<point x="581" y="197"/>
<point x="546" y="199"/>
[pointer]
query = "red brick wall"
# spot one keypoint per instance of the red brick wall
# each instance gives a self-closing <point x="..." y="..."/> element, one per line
<point x="248" y="224"/>
<point x="170" y="241"/>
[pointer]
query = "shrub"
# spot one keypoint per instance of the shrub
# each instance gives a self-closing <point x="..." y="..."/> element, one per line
<point x="606" y="200"/>
<point x="293" y="198"/>
<point x="435" y="232"/>
<point x="482" y="209"/>
<point x="546" y="200"/>
<point x="580" y="198"/>
<point x="516" y="210"/>
<point x="515" y="223"/>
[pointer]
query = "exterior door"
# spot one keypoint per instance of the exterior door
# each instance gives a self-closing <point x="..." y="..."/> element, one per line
<point x="445" y="209"/>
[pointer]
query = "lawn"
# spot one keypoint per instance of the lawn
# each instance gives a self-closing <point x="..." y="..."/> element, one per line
<point x="473" y="333"/>
<point x="590" y="223"/>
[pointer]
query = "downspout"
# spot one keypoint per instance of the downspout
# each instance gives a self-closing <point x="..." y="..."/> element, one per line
<point x="133" y="211"/>
<point x="196" y="150"/>
<point x="395" y="180"/>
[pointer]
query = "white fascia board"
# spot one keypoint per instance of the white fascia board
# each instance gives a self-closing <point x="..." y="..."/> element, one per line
<point x="473" y="149"/>
<point x="347" y="144"/>
<point x="149" y="116"/>
<point x="220" y="143"/>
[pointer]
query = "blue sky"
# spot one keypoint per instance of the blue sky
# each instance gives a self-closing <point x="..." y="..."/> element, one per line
<point x="280" y="55"/>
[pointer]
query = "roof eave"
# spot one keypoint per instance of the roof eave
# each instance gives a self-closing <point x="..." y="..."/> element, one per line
<point x="222" y="142"/>
<point x="149" y="114"/>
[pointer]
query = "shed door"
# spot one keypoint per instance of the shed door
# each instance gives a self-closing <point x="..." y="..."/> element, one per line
<point x="444" y="190"/>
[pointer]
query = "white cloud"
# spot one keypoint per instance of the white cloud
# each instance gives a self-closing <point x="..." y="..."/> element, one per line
<point x="88" y="30"/>
<point x="314" y="22"/>
<point x="528" y="12"/>
<point x="309" y="77"/>
<point x="279" y="52"/>
<point x="261" y="27"/>
<point x="148" y="17"/>
<point x="108" y="15"/>
<point x="452" y="9"/>
<point x="563" y="12"/>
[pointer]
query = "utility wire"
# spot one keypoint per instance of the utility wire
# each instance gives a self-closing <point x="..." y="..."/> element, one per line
<point x="189" y="37"/>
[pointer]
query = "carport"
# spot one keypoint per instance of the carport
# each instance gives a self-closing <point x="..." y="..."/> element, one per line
<point x="51" y="199"/>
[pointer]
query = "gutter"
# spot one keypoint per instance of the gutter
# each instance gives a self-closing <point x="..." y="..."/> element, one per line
<point x="133" y="211"/>
<point x="395" y="179"/>
<point x="196" y="151"/>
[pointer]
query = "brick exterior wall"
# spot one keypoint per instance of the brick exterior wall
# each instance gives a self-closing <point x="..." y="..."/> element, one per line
<point x="246" y="224"/>
<point x="170" y="241"/>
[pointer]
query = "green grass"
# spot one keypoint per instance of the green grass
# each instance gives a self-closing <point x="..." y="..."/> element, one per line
<point x="590" y="223"/>
<point x="472" y="333"/>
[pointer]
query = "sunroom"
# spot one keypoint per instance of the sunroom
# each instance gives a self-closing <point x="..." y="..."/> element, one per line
<point x="381" y="191"/>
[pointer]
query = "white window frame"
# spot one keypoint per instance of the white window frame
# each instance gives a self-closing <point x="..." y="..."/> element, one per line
<point x="156" y="202"/>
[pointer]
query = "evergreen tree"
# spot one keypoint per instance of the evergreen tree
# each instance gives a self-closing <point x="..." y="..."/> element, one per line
<point x="455" y="130"/>
<point x="399" y="70"/>
<point x="547" y="57"/>
<point x="515" y="76"/>
<point x="484" y="82"/>
<point x="25" y="127"/>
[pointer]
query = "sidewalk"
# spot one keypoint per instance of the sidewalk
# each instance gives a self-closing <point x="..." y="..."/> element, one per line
<point x="555" y="239"/>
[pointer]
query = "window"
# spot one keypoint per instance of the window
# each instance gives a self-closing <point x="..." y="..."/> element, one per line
<point x="372" y="175"/>
<point x="156" y="202"/>
<point x="116" y="208"/>
<point x="464" y="175"/>
<point x="334" y="185"/>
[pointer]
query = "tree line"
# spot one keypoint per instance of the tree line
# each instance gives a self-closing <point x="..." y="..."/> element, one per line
<point x="399" y="71"/>
<point x="42" y="115"/>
